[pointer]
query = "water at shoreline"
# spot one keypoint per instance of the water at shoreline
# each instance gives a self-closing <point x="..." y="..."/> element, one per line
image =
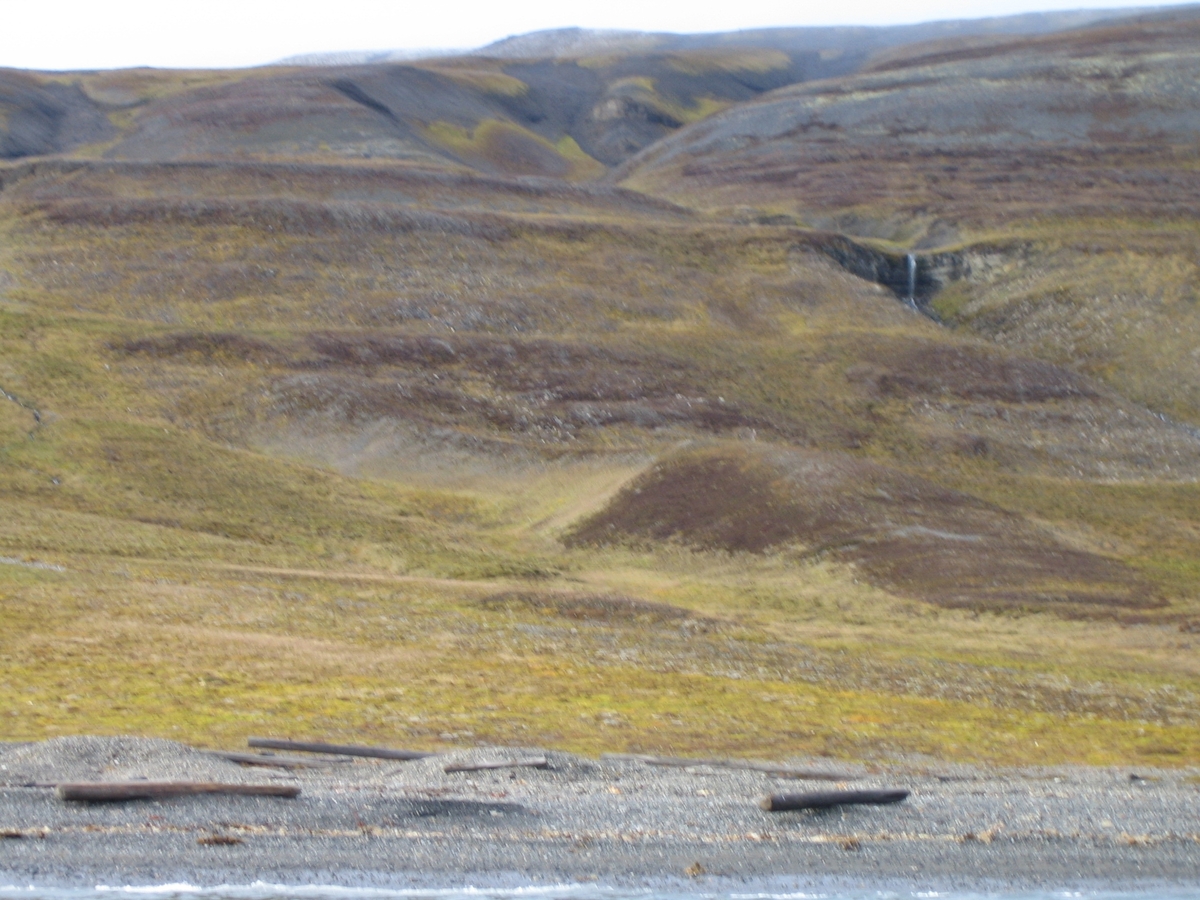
<point x="265" y="891"/>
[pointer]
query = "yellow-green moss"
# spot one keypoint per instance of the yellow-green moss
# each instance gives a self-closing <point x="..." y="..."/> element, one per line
<point x="492" y="82"/>
<point x="510" y="148"/>
<point x="585" y="167"/>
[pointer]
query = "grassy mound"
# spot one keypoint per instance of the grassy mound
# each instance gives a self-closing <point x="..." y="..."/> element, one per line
<point x="908" y="534"/>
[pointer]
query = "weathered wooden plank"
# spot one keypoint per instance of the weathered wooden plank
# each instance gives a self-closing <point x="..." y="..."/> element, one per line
<point x="271" y="761"/>
<point x="339" y="749"/>
<point x="768" y="768"/>
<point x="827" y="799"/>
<point x="780" y="771"/>
<point x="533" y="762"/>
<point x="116" y="791"/>
<point x="675" y="761"/>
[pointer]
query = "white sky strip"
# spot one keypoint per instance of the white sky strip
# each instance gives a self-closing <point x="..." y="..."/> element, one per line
<point x="86" y="34"/>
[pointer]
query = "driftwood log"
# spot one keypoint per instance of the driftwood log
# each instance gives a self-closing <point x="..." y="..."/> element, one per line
<point x="271" y="761"/>
<point x="826" y="799"/>
<point x="767" y="768"/>
<point x="338" y="749"/>
<point x="116" y="791"/>
<point x="533" y="762"/>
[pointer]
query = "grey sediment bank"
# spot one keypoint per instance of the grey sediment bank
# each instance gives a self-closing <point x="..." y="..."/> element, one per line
<point x="618" y="822"/>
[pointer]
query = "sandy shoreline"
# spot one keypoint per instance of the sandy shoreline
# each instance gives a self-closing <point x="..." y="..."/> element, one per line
<point x="583" y="821"/>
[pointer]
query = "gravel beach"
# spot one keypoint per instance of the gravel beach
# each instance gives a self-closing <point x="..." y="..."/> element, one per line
<point x="609" y="821"/>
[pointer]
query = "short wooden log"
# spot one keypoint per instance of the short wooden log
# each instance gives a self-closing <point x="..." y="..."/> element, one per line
<point x="338" y="749"/>
<point x="117" y="791"/>
<point x="535" y="762"/>
<point x="826" y="799"/>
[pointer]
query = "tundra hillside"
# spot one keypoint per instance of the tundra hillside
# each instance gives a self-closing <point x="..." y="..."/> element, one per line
<point x="418" y="405"/>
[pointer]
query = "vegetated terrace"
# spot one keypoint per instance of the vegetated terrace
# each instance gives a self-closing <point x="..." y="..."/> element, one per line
<point x="309" y="468"/>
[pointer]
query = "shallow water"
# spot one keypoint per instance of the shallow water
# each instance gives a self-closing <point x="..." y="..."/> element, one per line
<point x="264" y="891"/>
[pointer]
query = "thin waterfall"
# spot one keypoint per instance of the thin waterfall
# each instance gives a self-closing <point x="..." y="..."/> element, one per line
<point x="911" y="262"/>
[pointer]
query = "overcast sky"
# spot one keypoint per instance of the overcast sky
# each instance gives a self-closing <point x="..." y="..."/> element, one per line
<point x="82" y="34"/>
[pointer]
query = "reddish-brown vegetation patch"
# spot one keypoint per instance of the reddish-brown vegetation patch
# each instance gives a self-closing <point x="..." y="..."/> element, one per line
<point x="970" y="185"/>
<point x="298" y="217"/>
<point x="568" y="370"/>
<point x="551" y="390"/>
<point x="907" y="533"/>
<point x="201" y="346"/>
<point x="328" y="182"/>
<point x="972" y="373"/>
<point x="1124" y="39"/>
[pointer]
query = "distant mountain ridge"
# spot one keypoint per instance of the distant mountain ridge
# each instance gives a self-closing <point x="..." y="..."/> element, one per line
<point x="563" y="42"/>
<point x="574" y="41"/>
<point x="368" y="57"/>
<point x="568" y="103"/>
